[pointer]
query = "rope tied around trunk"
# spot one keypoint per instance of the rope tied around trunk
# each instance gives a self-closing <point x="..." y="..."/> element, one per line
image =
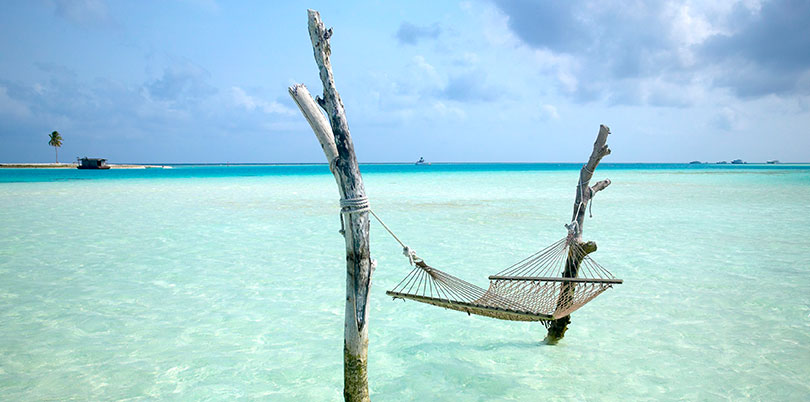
<point x="361" y="204"/>
<point x="354" y="205"/>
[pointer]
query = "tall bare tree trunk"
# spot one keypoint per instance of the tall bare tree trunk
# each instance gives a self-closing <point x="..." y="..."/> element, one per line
<point x="338" y="148"/>
<point x="585" y="193"/>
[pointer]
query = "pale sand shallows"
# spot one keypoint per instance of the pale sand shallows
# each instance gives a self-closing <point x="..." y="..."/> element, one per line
<point x="224" y="283"/>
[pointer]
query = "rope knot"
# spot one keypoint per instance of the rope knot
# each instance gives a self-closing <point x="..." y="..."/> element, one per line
<point x="354" y="205"/>
<point x="572" y="227"/>
<point x="410" y="254"/>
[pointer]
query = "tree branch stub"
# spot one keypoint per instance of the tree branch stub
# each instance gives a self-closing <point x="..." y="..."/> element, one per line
<point x="316" y="119"/>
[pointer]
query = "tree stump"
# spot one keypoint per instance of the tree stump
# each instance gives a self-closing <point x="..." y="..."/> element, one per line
<point x="336" y="142"/>
<point x="557" y="328"/>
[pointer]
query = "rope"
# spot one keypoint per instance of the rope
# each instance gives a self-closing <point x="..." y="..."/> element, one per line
<point x="388" y="229"/>
<point x="581" y="186"/>
<point x="406" y="251"/>
<point x="354" y="205"/>
<point x="361" y="204"/>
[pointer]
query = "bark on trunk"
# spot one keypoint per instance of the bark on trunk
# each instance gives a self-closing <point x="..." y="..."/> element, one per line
<point x="338" y="148"/>
<point x="585" y="193"/>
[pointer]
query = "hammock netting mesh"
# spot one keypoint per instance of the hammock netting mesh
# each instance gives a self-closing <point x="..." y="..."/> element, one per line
<point x="547" y="285"/>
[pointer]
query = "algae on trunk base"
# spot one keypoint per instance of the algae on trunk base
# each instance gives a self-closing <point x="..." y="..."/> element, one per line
<point x="355" y="377"/>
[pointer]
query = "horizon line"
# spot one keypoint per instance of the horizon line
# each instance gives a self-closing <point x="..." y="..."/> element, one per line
<point x="409" y="163"/>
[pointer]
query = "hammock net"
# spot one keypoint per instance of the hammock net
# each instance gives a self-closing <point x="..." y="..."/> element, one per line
<point x="550" y="284"/>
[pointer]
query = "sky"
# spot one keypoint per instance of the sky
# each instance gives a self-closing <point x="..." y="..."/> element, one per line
<point x="453" y="81"/>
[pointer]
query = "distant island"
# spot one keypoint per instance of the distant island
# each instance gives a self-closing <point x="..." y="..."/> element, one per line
<point x="735" y="162"/>
<point x="70" y="166"/>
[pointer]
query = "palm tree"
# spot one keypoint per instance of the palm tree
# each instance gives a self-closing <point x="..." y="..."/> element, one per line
<point x="55" y="142"/>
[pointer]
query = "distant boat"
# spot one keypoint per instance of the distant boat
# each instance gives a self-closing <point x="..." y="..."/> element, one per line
<point x="772" y="162"/>
<point x="421" y="161"/>
<point x="737" y="162"/>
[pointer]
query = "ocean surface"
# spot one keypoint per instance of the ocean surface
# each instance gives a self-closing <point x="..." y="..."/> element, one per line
<point x="227" y="282"/>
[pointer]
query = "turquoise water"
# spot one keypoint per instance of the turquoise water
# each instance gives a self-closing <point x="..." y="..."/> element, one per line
<point x="227" y="282"/>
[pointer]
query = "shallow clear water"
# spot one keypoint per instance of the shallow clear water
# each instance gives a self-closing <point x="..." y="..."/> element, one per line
<point x="222" y="283"/>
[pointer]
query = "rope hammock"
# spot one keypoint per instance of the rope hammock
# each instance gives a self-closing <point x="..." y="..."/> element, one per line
<point x="530" y="290"/>
<point x="548" y="285"/>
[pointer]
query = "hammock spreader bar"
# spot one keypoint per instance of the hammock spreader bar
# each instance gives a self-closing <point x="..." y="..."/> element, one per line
<point x="531" y="290"/>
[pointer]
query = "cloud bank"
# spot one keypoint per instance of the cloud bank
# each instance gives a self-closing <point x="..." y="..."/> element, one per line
<point x="625" y="52"/>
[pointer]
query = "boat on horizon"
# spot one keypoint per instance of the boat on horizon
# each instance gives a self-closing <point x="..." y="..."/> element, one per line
<point x="421" y="161"/>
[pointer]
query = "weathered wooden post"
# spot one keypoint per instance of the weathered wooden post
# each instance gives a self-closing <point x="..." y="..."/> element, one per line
<point x="585" y="193"/>
<point x="336" y="142"/>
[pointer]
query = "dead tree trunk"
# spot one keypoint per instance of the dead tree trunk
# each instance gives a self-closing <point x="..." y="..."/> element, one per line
<point x="336" y="142"/>
<point x="579" y="249"/>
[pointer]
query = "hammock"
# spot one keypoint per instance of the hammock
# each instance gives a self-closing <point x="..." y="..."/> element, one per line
<point x="548" y="285"/>
<point x="531" y="290"/>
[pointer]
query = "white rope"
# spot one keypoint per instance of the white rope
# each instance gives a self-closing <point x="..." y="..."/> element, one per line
<point x="388" y="229"/>
<point x="406" y="251"/>
<point x="361" y="204"/>
<point x="354" y="205"/>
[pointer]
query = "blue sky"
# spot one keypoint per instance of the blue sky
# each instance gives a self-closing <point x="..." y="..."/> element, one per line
<point x="488" y="80"/>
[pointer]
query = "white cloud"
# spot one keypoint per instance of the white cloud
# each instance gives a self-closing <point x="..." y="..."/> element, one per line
<point x="428" y="72"/>
<point x="448" y="111"/>
<point x="549" y="112"/>
<point x="498" y="34"/>
<point x="603" y="50"/>
<point x="496" y="27"/>
<point x="562" y="66"/>
<point x="688" y="28"/>
<point x="251" y="103"/>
